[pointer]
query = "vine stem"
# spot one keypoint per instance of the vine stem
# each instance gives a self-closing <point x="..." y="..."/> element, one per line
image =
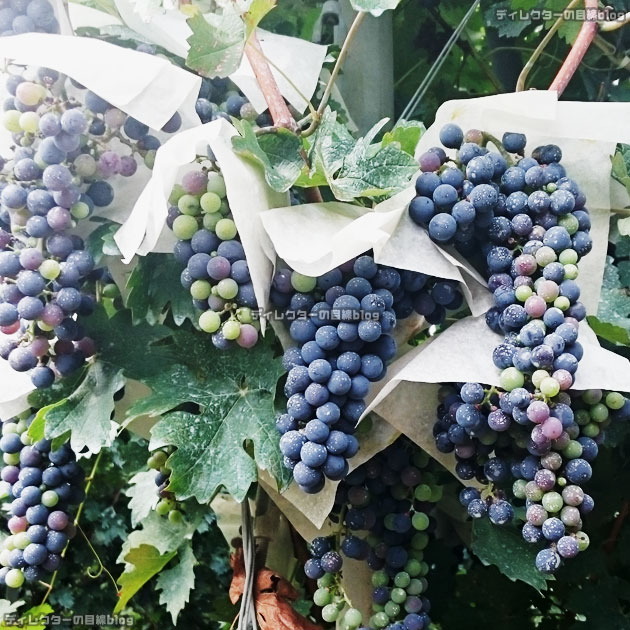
<point x="269" y="87"/>
<point x="578" y="50"/>
<point x="522" y="77"/>
<point x="343" y="53"/>
<point x="613" y="25"/>
<point x="89" y="480"/>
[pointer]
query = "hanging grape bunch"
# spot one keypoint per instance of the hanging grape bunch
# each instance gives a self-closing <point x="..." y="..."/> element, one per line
<point x="42" y="487"/>
<point x="27" y="16"/>
<point x="216" y="272"/>
<point x="342" y="322"/>
<point x="385" y="507"/>
<point x="530" y="222"/>
<point x="168" y="504"/>
<point x="56" y="176"/>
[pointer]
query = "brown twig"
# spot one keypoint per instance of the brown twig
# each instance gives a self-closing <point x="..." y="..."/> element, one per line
<point x="609" y="545"/>
<point x="578" y="50"/>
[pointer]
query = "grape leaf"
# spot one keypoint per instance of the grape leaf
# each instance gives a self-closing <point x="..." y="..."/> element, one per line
<point x="30" y="616"/>
<point x="154" y="287"/>
<point x="142" y="563"/>
<point x="256" y="12"/>
<point x="134" y="349"/>
<point x="504" y="548"/>
<point x="85" y="414"/>
<point x="610" y="332"/>
<point x="279" y="154"/>
<point x="623" y="225"/>
<point x="101" y="242"/>
<point x="216" y="44"/>
<point x="143" y="495"/>
<point x="614" y="302"/>
<point x="504" y="17"/>
<point x="407" y="134"/>
<point x="375" y="7"/>
<point x="176" y="583"/>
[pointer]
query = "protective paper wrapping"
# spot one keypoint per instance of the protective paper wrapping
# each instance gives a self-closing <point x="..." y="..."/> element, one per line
<point x="147" y="87"/>
<point x="247" y="193"/>
<point x="14" y="389"/>
<point x="407" y="399"/>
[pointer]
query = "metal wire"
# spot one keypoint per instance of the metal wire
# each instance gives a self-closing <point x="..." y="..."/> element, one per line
<point x="437" y="64"/>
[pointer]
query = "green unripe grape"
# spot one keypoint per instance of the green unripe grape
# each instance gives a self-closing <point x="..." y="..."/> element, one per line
<point x="45" y="327"/>
<point x="14" y="578"/>
<point x="29" y="122"/>
<point x="225" y="229"/>
<point x="398" y="595"/>
<point x="420" y="541"/>
<point x="599" y="412"/>
<point x="302" y="283"/>
<point x="326" y="580"/>
<point x="8" y="545"/>
<point x="352" y="618"/>
<point x="551" y="187"/>
<point x="569" y="223"/>
<point x="175" y="517"/>
<point x="562" y="303"/>
<point x="149" y="158"/>
<point x="550" y="387"/>
<point x="591" y="430"/>
<point x="244" y="315"/>
<point x="614" y="400"/>
<point x="379" y="578"/>
<point x="188" y="205"/>
<point x="420" y="521"/>
<point x="392" y="610"/>
<point x="11" y="120"/>
<point x="11" y="459"/>
<point x="185" y="227"/>
<point x="50" y="498"/>
<point x="511" y="378"/>
<point x="388" y="521"/>
<point x="424" y="568"/>
<point x="21" y="426"/>
<point x="330" y="613"/>
<point x="416" y="586"/>
<point x="518" y="488"/>
<point x="209" y="321"/>
<point x="552" y="501"/>
<point x="210" y="202"/>
<point x="568" y="257"/>
<point x="573" y="450"/>
<point x="216" y="184"/>
<point x="539" y="376"/>
<point x="85" y="165"/>
<point x="582" y="417"/>
<point x="159" y="457"/>
<point x="9" y="427"/>
<point x="545" y="255"/>
<point x="436" y="494"/>
<point x="583" y="541"/>
<point x="176" y="194"/>
<point x="164" y="506"/>
<point x="412" y="568"/>
<point x="111" y="291"/>
<point x="592" y="396"/>
<point x="210" y="221"/>
<point x="227" y="288"/>
<point x="225" y="208"/>
<point x="415" y="554"/>
<point x="381" y="620"/>
<point x="402" y="579"/>
<point x="523" y="292"/>
<point x="20" y="540"/>
<point x="377" y="608"/>
<point x="231" y="329"/>
<point x="200" y="289"/>
<point x="420" y="459"/>
<point x="322" y="597"/>
<point x="571" y="272"/>
<point x="80" y="210"/>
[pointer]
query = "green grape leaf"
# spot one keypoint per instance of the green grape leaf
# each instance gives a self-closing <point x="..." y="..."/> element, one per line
<point x="176" y="583"/>
<point x="279" y="153"/>
<point x="609" y="332"/>
<point x="614" y="302"/>
<point x="154" y="287"/>
<point x="32" y="615"/>
<point x="85" y="414"/>
<point x="407" y="134"/>
<point x="101" y="242"/>
<point x="235" y="392"/>
<point x="143" y="495"/>
<point x="216" y="44"/>
<point x="142" y="563"/>
<point x="505" y="548"/>
<point x="620" y="170"/>
<point x="375" y="7"/>
<point x="256" y="12"/>
<point x="331" y="143"/>
<point x="134" y="349"/>
<point x="505" y="18"/>
<point x="60" y="389"/>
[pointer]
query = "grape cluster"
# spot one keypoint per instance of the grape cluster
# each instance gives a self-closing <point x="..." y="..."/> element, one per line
<point x="216" y="273"/>
<point x="56" y="176"/>
<point x="168" y="504"/>
<point x="342" y="323"/>
<point x="43" y="486"/>
<point x="27" y="16"/>
<point x="533" y="227"/>
<point x="388" y="502"/>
